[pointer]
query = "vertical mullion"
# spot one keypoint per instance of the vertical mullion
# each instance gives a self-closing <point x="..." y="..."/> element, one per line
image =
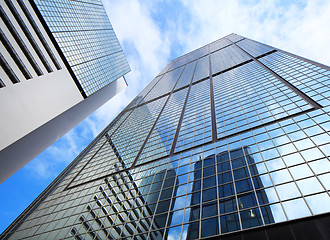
<point x="213" y="118"/>
<point x="175" y="139"/>
<point x="152" y="128"/>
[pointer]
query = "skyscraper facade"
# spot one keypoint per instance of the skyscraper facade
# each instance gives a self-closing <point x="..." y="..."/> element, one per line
<point x="229" y="141"/>
<point x="60" y="61"/>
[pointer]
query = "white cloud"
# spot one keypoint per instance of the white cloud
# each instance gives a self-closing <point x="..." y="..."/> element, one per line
<point x="298" y="26"/>
<point x="147" y="46"/>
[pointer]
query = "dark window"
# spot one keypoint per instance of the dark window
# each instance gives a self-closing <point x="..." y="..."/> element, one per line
<point x="20" y="42"/>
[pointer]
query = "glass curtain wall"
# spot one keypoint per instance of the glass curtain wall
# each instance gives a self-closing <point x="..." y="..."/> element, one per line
<point x="229" y="137"/>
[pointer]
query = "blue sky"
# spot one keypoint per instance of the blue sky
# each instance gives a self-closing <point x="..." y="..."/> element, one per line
<point x="154" y="32"/>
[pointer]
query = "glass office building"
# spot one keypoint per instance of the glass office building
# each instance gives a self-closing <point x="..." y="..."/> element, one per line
<point x="230" y="140"/>
<point x="86" y="37"/>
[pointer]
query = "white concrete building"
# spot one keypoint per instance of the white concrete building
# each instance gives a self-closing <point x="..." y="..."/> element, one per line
<point x="60" y="61"/>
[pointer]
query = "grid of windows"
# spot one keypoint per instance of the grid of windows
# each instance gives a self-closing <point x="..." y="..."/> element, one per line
<point x="275" y="168"/>
<point x="84" y="160"/>
<point x="189" y="57"/>
<point x="254" y="48"/>
<point x="237" y="180"/>
<point x="227" y="58"/>
<point x="221" y="43"/>
<point x="308" y="78"/>
<point x="160" y="142"/>
<point x="249" y="96"/>
<point x="196" y="124"/>
<point x="138" y="99"/>
<point x="117" y="122"/>
<point x="103" y="158"/>
<point x="200" y="52"/>
<point x="185" y="78"/>
<point x="87" y="40"/>
<point x="165" y="85"/>
<point x="167" y="67"/>
<point x="202" y="69"/>
<point x="131" y="134"/>
<point x="235" y="37"/>
<point x="102" y="163"/>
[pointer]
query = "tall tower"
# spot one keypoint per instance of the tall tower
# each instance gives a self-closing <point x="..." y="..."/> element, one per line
<point x="60" y="61"/>
<point x="229" y="140"/>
